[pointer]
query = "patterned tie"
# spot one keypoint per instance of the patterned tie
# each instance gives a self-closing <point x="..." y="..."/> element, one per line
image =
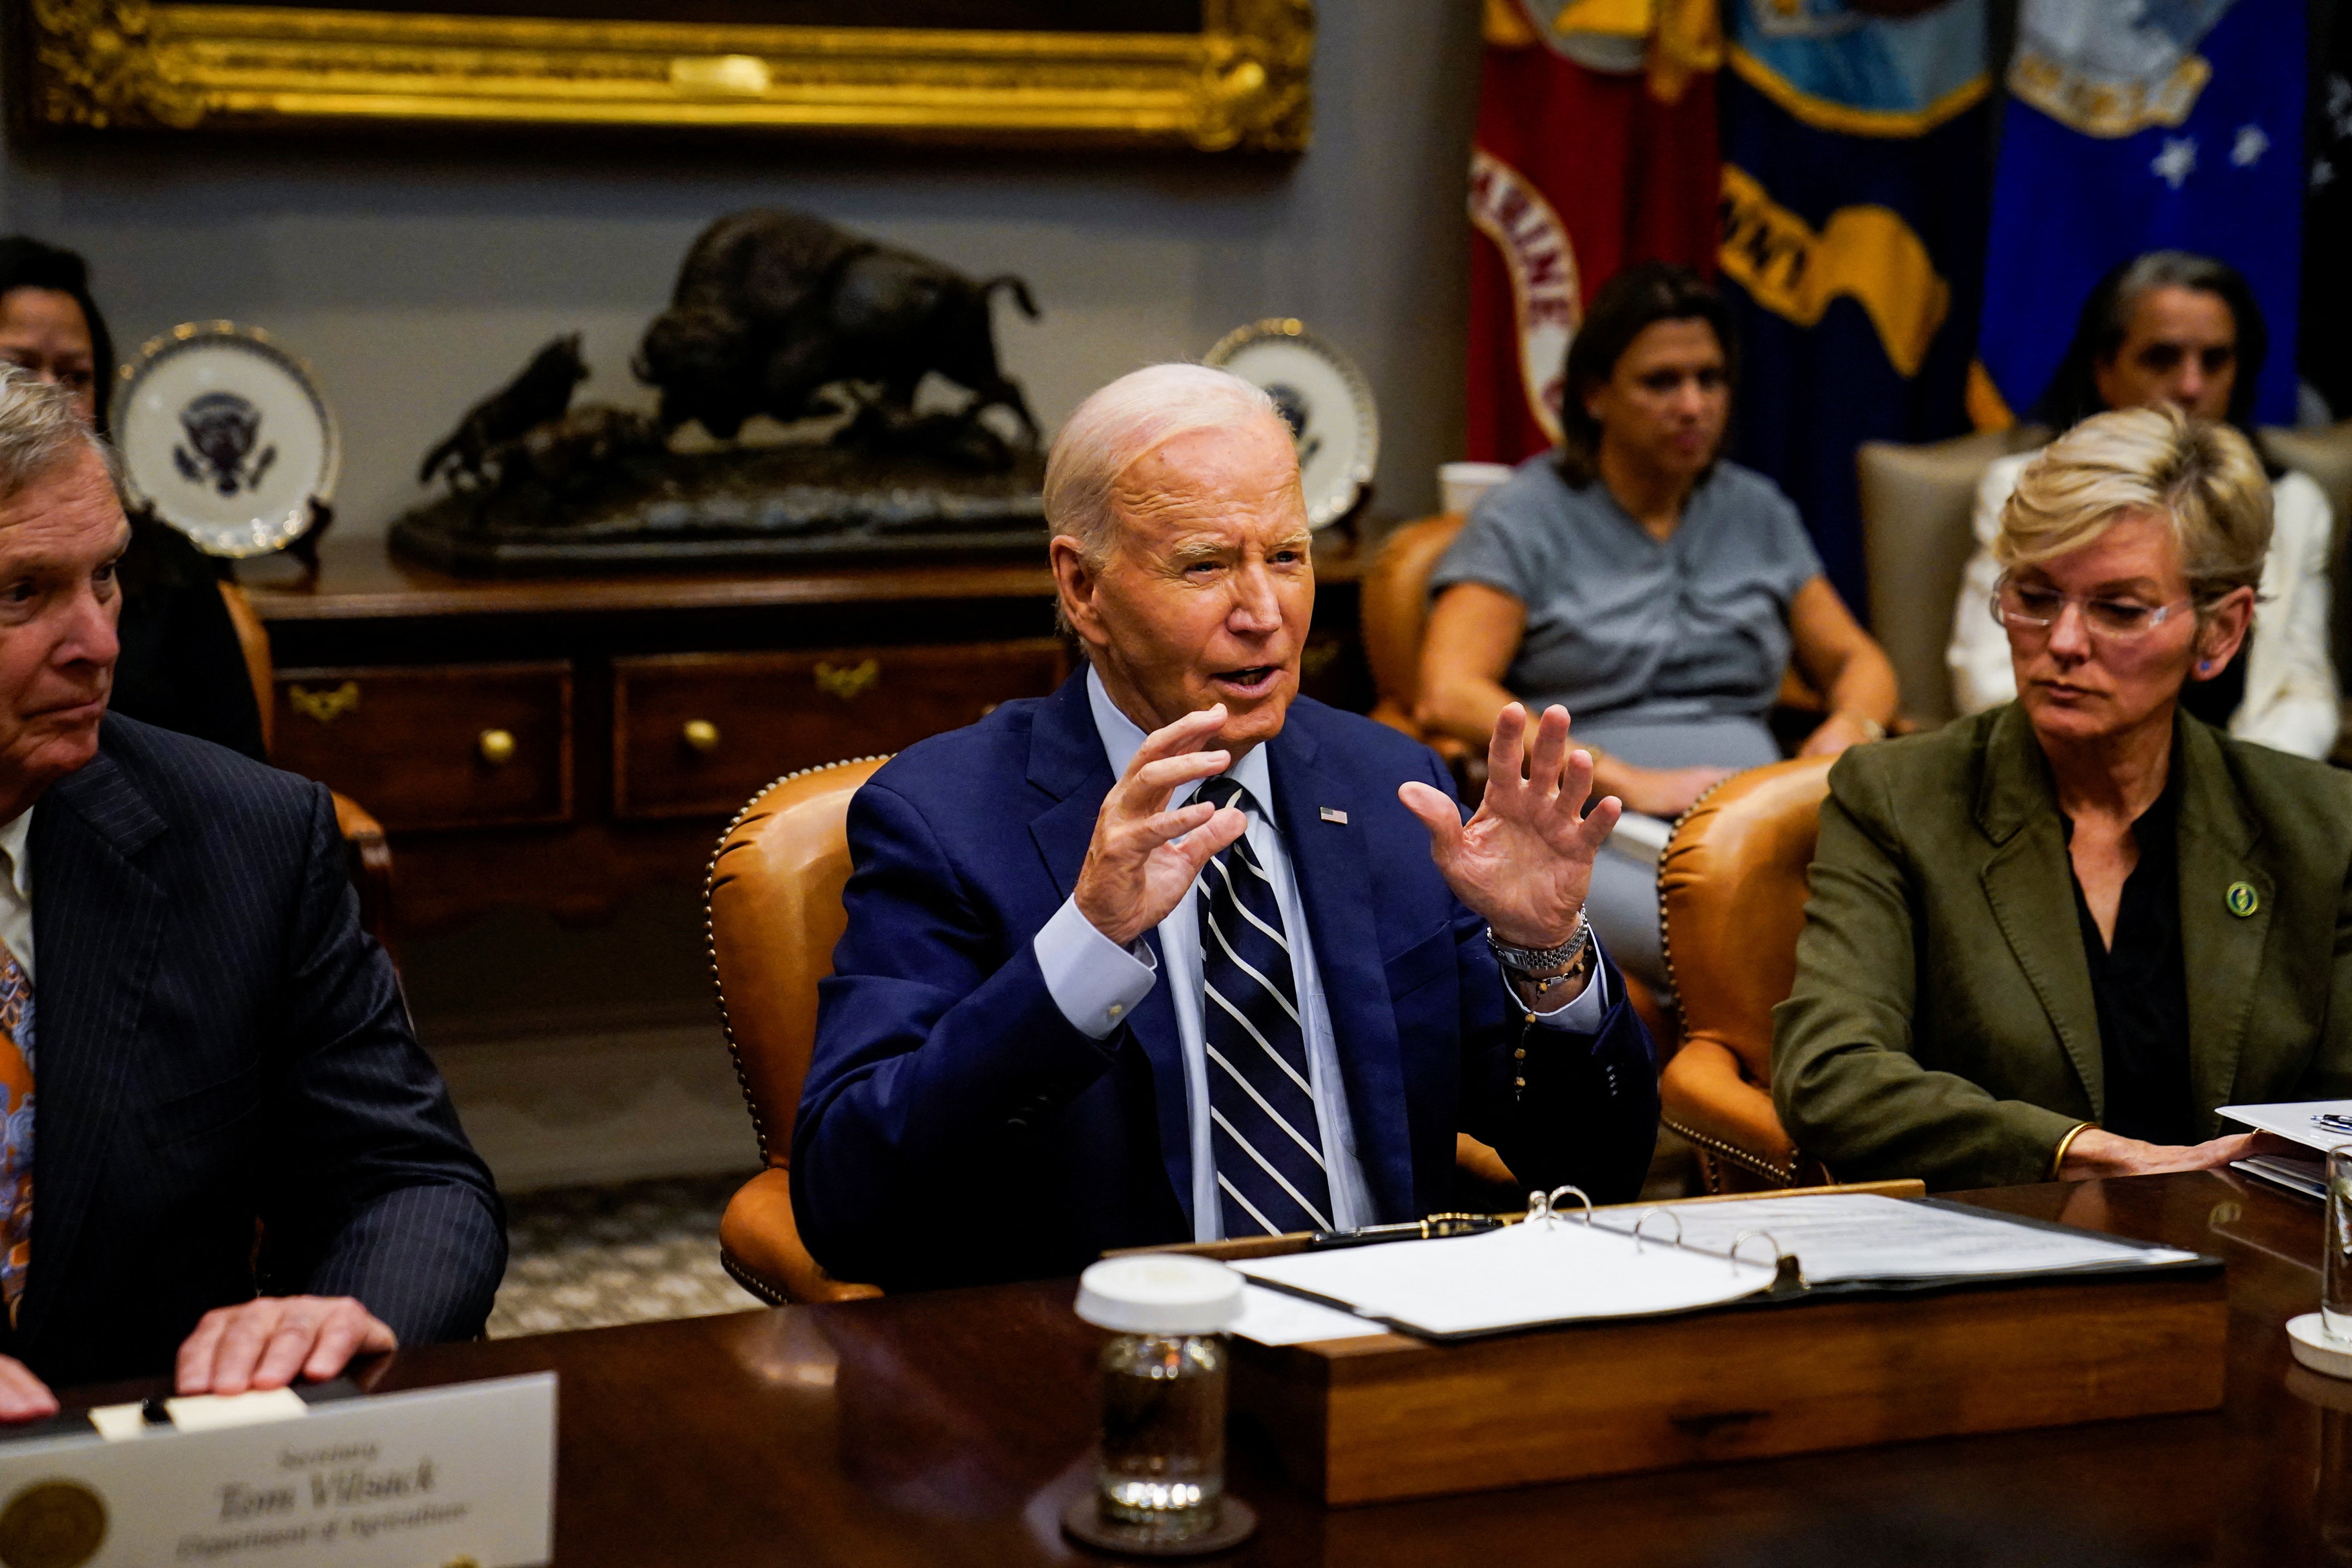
<point x="1267" y="1143"/>
<point x="16" y="1128"/>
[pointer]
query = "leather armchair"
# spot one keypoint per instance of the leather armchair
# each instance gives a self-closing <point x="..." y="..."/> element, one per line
<point x="774" y="912"/>
<point x="370" y="855"/>
<point x="1918" y="533"/>
<point x="1732" y="890"/>
<point x="1394" y="609"/>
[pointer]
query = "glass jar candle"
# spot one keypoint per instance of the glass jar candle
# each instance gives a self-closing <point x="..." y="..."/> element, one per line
<point x="2335" y="1248"/>
<point x="1159" y="1468"/>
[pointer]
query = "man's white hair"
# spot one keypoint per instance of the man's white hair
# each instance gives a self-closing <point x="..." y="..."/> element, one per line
<point x="1125" y="421"/>
<point x="40" y="431"/>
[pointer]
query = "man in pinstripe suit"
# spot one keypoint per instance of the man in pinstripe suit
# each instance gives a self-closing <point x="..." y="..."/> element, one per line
<point x="1176" y="954"/>
<point x="224" y="1152"/>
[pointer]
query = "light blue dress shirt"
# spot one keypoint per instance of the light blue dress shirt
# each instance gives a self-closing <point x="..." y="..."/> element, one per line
<point x="1096" y="983"/>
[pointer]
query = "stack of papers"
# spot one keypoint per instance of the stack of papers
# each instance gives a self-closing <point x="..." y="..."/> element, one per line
<point x="1562" y="1271"/>
<point x="2321" y="1124"/>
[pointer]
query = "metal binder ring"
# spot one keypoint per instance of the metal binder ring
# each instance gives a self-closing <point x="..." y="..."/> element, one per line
<point x="1551" y="1201"/>
<point x="1646" y="1219"/>
<point x="1747" y="1235"/>
<point x="1545" y="1207"/>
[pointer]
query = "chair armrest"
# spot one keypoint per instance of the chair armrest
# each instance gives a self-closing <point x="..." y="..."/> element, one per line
<point x="760" y="1244"/>
<point x="1704" y="1097"/>
<point x="370" y="859"/>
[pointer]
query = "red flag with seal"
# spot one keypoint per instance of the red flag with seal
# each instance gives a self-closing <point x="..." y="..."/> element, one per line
<point x="1596" y="148"/>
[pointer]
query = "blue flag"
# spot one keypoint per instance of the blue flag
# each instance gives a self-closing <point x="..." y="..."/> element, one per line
<point x="1854" y="213"/>
<point x="2138" y="125"/>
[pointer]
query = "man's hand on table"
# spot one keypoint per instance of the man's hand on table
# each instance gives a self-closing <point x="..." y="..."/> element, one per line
<point x="1135" y="870"/>
<point x="2098" y="1152"/>
<point x="1524" y="859"/>
<point x="268" y="1342"/>
<point x="23" y="1397"/>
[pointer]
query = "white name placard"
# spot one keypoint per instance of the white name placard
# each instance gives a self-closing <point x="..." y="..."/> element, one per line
<point x="395" y="1480"/>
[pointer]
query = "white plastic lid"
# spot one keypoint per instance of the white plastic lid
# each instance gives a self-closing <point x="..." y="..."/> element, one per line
<point x="1160" y="1293"/>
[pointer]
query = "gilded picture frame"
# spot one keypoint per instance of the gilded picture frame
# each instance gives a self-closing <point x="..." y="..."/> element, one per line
<point x="1239" y="84"/>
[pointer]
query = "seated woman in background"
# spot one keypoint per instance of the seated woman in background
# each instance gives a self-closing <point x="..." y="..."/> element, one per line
<point x="1654" y="590"/>
<point x="2172" y="328"/>
<point x="182" y="666"/>
<point x="2051" y="939"/>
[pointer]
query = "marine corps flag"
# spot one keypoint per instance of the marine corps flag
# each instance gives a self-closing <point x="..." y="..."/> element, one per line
<point x="2136" y="127"/>
<point x="1854" y="203"/>
<point x="1595" y="148"/>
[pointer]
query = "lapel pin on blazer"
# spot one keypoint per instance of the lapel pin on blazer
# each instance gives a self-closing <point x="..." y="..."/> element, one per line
<point x="1332" y="813"/>
<point x="2243" y="899"/>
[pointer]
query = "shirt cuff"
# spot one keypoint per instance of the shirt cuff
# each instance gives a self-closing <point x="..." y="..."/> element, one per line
<point x="1584" y="1012"/>
<point x="1094" y="981"/>
<point x="1582" y="1016"/>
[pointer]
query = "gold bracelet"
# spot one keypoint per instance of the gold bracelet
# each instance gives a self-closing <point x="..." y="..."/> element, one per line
<point x="2065" y="1144"/>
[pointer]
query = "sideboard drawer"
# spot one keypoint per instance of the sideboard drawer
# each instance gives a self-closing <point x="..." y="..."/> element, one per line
<point x="460" y="745"/>
<point x="696" y="734"/>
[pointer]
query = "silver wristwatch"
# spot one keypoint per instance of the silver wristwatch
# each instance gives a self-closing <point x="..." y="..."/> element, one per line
<point x="1532" y="961"/>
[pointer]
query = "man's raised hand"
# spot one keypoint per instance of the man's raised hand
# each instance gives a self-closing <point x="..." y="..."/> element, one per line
<point x="1524" y="859"/>
<point x="1136" y="872"/>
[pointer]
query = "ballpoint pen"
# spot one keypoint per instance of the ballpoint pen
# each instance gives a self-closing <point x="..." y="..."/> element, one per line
<point x="1435" y="1226"/>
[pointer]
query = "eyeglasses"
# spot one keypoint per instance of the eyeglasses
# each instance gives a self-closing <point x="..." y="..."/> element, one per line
<point x="2029" y="607"/>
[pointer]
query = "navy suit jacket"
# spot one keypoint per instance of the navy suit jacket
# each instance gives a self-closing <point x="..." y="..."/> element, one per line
<point x="955" y="1128"/>
<point x="221" y="1055"/>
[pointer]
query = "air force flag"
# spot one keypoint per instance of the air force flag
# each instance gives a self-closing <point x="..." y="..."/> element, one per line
<point x="2137" y="125"/>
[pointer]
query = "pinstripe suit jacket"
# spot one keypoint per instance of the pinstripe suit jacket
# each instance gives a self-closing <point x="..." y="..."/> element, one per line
<point x="218" y="1043"/>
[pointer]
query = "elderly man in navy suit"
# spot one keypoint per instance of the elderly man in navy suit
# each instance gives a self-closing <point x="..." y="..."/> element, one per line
<point x="1178" y="955"/>
<point x="223" y="1153"/>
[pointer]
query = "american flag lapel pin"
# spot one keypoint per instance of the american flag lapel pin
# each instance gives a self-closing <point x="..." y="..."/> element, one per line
<point x="1332" y="813"/>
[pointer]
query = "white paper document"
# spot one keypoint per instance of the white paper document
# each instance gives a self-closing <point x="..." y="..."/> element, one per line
<point x="1515" y="1278"/>
<point x="1839" y="1240"/>
<point x="1566" y="1271"/>
<point x="2321" y="1124"/>
<point x="1271" y="1318"/>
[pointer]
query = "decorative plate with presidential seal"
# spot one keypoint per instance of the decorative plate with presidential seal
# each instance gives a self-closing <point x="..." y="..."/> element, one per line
<point x="225" y="438"/>
<point x="1327" y="400"/>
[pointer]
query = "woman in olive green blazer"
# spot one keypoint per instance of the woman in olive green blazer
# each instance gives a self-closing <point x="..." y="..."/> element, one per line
<point x="2051" y="939"/>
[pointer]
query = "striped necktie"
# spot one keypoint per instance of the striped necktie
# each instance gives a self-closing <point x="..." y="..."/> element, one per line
<point x="1267" y="1141"/>
<point x="16" y="1129"/>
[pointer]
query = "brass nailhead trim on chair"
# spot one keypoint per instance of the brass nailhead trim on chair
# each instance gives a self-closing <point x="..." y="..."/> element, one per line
<point x="750" y="1281"/>
<point x="1738" y="1156"/>
<point x="711" y="949"/>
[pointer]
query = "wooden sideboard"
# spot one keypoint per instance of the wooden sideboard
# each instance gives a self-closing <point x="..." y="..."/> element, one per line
<point x="555" y="742"/>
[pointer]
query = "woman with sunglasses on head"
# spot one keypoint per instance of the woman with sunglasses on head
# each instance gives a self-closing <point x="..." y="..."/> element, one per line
<point x="2171" y="328"/>
<point x="2051" y="939"/>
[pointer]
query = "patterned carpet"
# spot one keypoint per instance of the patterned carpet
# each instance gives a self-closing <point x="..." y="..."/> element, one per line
<point x="583" y="1258"/>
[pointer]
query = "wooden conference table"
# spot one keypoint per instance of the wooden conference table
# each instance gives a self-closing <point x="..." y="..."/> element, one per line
<point x="952" y="1428"/>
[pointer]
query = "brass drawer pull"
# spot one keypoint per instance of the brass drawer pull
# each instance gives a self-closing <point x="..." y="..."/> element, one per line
<point x="326" y="706"/>
<point x="497" y="746"/>
<point x="700" y="735"/>
<point x="846" y="681"/>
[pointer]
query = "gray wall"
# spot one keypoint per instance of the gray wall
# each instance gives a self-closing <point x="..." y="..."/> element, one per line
<point x="416" y="277"/>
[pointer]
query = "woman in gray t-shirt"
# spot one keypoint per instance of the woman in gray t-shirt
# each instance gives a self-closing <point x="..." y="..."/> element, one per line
<point x="1655" y="591"/>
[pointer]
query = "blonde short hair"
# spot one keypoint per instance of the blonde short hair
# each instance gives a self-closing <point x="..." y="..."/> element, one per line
<point x="1138" y="414"/>
<point x="2201" y="480"/>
